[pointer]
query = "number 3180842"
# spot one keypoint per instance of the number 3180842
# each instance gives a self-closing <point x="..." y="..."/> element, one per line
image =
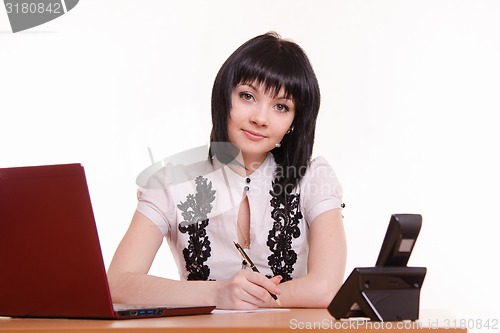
<point x="33" y="8"/>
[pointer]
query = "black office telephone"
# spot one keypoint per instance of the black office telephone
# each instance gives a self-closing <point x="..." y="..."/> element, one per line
<point x="390" y="291"/>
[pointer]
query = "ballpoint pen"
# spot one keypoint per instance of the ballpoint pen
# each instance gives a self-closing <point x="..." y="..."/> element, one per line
<point x="250" y="263"/>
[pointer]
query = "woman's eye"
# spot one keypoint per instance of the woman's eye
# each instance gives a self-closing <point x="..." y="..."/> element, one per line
<point x="282" y="108"/>
<point x="246" y="96"/>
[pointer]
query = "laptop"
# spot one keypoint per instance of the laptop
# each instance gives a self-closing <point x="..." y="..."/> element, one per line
<point x="51" y="263"/>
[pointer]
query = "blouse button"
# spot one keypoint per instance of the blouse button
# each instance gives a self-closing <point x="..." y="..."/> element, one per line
<point x="246" y="188"/>
<point x="248" y="180"/>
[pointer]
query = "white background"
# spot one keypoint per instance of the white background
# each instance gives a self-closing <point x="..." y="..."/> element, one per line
<point x="410" y="92"/>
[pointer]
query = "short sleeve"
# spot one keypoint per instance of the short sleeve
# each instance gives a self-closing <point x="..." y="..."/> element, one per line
<point x="320" y="189"/>
<point x="156" y="203"/>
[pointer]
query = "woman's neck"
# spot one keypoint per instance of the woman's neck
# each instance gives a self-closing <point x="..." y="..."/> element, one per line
<point x="252" y="162"/>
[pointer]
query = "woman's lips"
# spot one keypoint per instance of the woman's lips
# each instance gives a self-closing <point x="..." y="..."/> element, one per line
<point x="254" y="136"/>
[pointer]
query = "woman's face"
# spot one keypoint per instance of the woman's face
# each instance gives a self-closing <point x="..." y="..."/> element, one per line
<point x="258" y="121"/>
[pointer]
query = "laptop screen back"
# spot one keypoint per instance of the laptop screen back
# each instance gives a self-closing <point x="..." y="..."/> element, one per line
<point x="51" y="261"/>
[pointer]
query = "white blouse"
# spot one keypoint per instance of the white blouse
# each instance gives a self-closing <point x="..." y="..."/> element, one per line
<point x="196" y="209"/>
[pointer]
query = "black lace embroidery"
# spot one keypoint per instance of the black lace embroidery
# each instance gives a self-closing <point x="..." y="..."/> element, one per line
<point x="286" y="215"/>
<point x="194" y="211"/>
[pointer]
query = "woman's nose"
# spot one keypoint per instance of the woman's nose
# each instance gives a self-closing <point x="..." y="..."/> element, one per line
<point x="259" y="115"/>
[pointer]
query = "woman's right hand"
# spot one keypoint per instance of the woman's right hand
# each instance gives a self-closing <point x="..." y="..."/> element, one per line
<point x="246" y="290"/>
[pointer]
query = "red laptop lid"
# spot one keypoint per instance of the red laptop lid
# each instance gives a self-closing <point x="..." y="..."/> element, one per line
<point x="50" y="258"/>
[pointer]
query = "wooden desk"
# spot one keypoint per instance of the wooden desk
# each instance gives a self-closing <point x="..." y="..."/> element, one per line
<point x="306" y="320"/>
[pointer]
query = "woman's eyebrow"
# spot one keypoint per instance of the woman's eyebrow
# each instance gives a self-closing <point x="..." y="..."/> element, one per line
<point x="248" y="85"/>
<point x="284" y="97"/>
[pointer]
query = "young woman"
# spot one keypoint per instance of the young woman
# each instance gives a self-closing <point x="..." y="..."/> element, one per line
<point x="281" y="206"/>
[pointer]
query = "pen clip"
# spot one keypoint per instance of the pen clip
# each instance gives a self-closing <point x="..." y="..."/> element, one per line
<point x="246" y="260"/>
